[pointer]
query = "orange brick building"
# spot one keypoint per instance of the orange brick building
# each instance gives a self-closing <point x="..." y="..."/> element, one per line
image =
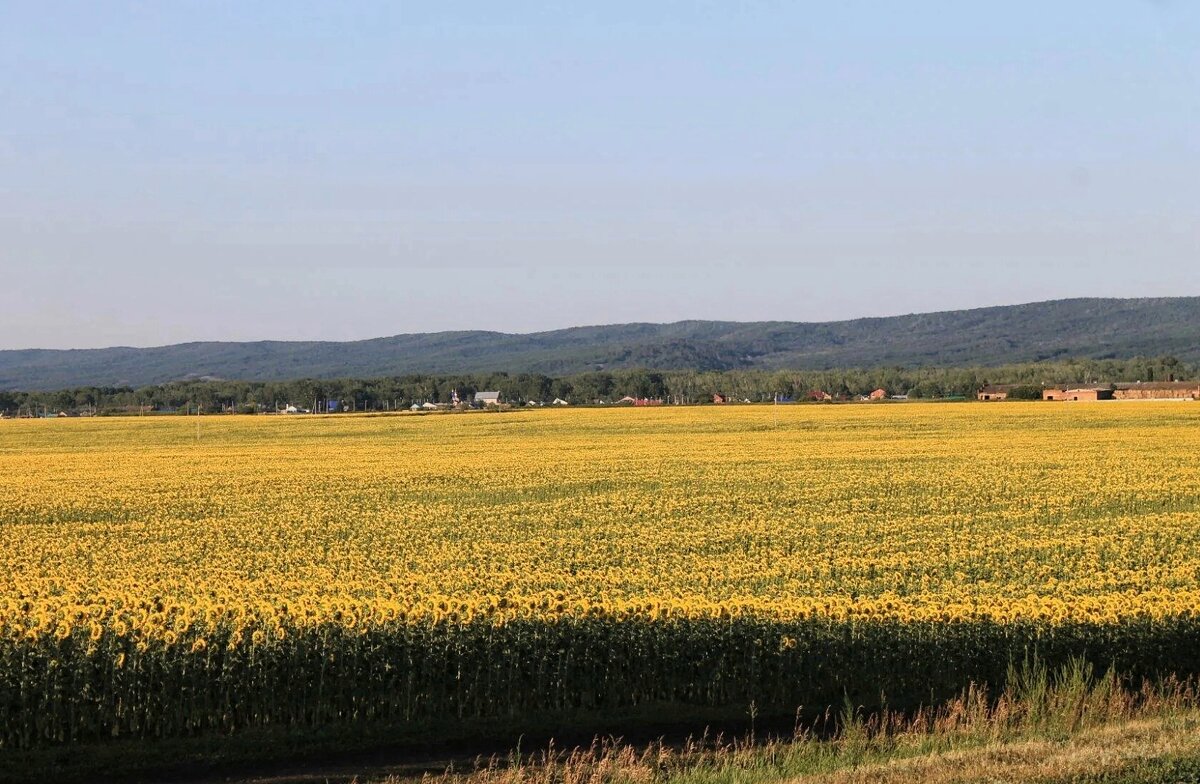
<point x="1081" y="393"/>
<point x="994" y="392"/>
<point x="1158" y="390"/>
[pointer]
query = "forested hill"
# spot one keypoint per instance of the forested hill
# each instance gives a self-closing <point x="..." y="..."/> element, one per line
<point x="1061" y="329"/>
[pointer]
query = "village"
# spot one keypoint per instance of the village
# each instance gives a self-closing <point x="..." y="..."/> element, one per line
<point x="498" y="400"/>
<point x="1137" y="390"/>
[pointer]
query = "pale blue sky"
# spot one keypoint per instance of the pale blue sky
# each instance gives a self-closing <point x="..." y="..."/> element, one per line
<point x="191" y="171"/>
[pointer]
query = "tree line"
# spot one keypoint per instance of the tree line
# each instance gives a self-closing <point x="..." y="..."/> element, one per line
<point x="677" y="386"/>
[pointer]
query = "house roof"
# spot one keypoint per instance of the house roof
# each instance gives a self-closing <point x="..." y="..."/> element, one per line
<point x="1159" y="385"/>
<point x="486" y="394"/>
<point x="1080" y="387"/>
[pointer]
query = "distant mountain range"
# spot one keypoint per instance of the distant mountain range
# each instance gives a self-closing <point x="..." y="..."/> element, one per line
<point x="1060" y="329"/>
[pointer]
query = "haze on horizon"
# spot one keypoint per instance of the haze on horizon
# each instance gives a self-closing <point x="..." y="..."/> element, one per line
<point x="196" y="171"/>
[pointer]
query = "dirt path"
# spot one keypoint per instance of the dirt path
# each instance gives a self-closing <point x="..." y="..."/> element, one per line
<point x="1109" y="750"/>
<point x="409" y="763"/>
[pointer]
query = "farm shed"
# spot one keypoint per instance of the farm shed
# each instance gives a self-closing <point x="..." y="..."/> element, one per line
<point x="1158" y="390"/>
<point x="1080" y="393"/>
<point x="488" y="398"/>
<point x="994" y="392"/>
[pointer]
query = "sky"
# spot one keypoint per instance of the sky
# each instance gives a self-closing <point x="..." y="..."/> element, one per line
<point x="187" y="171"/>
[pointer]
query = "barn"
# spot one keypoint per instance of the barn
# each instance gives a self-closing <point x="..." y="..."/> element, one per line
<point x="488" y="398"/>
<point x="1079" y="393"/>
<point x="994" y="392"/>
<point x="1158" y="390"/>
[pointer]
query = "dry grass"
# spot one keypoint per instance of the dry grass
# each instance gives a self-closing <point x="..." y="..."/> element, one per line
<point x="1042" y="729"/>
<point x="1092" y="752"/>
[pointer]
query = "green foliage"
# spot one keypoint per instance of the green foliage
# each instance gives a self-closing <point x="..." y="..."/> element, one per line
<point x="1025" y="392"/>
<point x="685" y="386"/>
<point x="73" y="690"/>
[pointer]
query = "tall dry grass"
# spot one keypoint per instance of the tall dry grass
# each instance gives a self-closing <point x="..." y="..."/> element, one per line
<point x="1038" y="716"/>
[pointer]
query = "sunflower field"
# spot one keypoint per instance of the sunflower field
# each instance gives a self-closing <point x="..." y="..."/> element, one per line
<point x="168" y="576"/>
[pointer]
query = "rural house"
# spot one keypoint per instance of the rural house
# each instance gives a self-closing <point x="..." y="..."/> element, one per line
<point x="878" y="394"/>
<point x="1081" y="393"/>
<point x="994" y="392"/>
<point x="489" y="398"/>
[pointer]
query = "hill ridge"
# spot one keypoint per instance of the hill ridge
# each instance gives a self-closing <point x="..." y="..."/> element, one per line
<point x="1083" y="327"/>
